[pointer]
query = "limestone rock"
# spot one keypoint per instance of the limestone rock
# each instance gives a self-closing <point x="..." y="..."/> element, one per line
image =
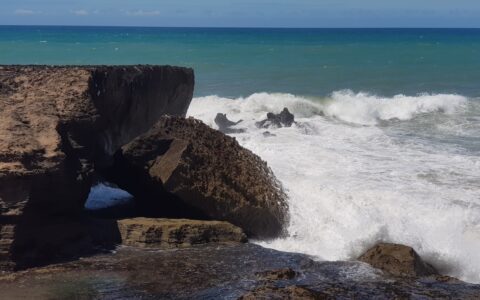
<point x="206" y="172"/>
<point x="56" y="123"/>
<point x="283" y="119"/>
<point x="177" y="233"/>
<point x="398" y="260"/>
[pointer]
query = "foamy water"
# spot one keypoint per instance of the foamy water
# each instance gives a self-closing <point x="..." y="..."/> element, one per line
<point x="360" y="169"/>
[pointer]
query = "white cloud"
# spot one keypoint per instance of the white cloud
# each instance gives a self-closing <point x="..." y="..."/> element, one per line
<point x="80" y="12"/>
<point x="143" y="13"/>
<point x="26" y="12"/>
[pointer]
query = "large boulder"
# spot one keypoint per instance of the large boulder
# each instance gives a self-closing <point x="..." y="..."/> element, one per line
<point x="56" y="124"/>
<point x="397" y="260"/>
<point x="177" y="233"/>
<point x="184" y="166"/>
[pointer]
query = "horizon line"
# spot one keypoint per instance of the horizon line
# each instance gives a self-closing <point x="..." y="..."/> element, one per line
<point x="231" y="27"/>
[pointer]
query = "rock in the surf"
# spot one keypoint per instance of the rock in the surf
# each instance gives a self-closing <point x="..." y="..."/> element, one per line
<point x="177" y="233"/>
<point x="56" y="124"/>
<point x="206" y="172"/>
<point x="225" y="125"/>
<point x="283" y="119"/>
<point x="397" y="260"/>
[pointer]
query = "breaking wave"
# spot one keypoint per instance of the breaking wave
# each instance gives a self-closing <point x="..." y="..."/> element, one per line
<point x="360" y="169"/>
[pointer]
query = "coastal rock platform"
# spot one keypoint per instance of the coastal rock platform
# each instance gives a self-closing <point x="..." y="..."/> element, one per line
<point x="216" y="271"/>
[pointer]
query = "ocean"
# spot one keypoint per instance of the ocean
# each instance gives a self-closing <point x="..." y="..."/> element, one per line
<point x="387" y="141"/>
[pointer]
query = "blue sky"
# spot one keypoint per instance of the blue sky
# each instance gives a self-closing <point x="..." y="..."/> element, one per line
<point x="244" y="13"/>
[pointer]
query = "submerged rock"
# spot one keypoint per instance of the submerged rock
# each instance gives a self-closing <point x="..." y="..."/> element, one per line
<point x="205" y="173"/>
<point x="268" y="134"/>
<point x="177" y="233"/>
<point x="224" y="124"/>
<point x="283" y="119"/>
<point x="56" y="124"/>
<point x="397" y="260"/>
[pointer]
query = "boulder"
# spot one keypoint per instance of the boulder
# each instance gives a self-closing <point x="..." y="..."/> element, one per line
<point x="177" y="233"/>
<point x="56" y="124"/>
<point x="283" y="119"/>
<point x="184" y="166"/>
<point x="224" y="124"/>
<point x="397" y="260"/>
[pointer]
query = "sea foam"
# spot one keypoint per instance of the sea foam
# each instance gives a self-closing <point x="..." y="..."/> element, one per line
<point x="354" y="180"/>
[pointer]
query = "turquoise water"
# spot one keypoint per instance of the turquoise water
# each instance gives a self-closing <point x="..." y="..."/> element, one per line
<point x="387" y="141"/>
<point x="239" y="62"/>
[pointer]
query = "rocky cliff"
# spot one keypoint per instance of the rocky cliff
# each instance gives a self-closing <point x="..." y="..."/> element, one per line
<point x="56" y="125"/>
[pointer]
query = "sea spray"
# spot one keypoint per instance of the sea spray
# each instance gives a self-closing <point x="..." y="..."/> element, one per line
<point x="359" y="169"/>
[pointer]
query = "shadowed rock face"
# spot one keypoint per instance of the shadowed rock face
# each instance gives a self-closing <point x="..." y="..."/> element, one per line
<point x="205" y="171"/>
<point x="397" y="260"/>
<point x="56" y="123"/>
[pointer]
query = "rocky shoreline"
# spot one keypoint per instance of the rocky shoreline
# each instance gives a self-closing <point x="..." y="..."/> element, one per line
<point x="210" y="271"/>
<point x="198" y="194"/>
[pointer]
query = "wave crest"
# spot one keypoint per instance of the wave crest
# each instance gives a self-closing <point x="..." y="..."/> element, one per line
<point x="347" y="106"/>
<point x="366" y="109"/>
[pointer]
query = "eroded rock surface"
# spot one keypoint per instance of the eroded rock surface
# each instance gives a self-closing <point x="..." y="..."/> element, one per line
<point x="398" y="260"/>
<point x="56" y="124"/>
<point x="280" y="274"/>
<point x="218" y="271"/>
<point x="206" y="171"/>
<point x="280" y="293"/>
<point x="177" y="233"/>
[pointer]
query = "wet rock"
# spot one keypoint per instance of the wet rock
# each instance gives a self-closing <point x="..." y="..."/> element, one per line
<point x="268" y="134"/>
<point x="177" y="233"/>
<point x="205" y="172"/>
<point x="280" y="274"/>
<point x="217" y="271"/>
<point x="224" y="124"/>
<point x="397" y="260"/>
<point x="56" y="124"/>
<point x="290" y="292"/>
<point x="283" y="119"/>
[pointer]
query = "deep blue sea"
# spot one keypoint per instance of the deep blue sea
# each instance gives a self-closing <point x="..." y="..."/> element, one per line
<point x="387" y="141"/>
<point x="239" y="62"/>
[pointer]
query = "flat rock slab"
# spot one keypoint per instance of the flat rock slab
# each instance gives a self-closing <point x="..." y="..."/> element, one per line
<point x="215" y="271"/>
<point x="177" y="233"/>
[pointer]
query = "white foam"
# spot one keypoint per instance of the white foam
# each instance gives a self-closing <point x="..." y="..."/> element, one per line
<point x="366" y="109"/>
<point x="350" y="186"/>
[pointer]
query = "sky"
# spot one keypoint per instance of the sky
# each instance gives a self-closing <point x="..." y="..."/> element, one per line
<point x="243" y="13"/>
